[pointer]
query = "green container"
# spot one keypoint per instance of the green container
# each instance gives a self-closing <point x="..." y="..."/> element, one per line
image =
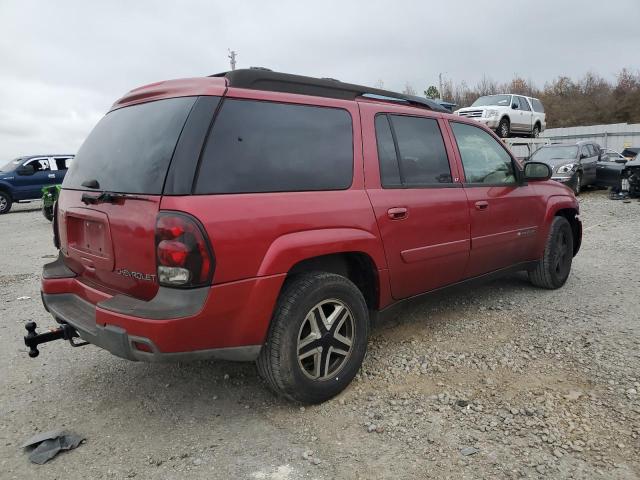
<point x="50" y="194"/>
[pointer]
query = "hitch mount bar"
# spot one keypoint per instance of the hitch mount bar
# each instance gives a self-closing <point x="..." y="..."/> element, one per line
<point x="65" y="332"/>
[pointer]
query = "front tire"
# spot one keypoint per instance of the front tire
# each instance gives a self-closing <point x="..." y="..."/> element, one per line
<point x="317" y="339"/>
<point x="5" y="202"/>
<point x="554" y="267"/>
<point x="504" y="128"/>
<point x="577" y="186"/>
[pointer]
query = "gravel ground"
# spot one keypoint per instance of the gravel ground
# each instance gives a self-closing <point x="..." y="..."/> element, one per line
<point x="497" y="381"/>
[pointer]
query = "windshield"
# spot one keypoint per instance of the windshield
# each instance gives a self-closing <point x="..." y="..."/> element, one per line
<point x="560" y="152"/>
<point x="129" y="150"/>
<point x="500" y="100"/>
<point x="7" y="167"/>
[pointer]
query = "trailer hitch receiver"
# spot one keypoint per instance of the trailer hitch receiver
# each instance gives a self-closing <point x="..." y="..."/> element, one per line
<point x="32" y="339"/>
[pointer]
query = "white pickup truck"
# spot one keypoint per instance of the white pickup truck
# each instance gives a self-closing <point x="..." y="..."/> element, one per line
<point x="508" y="114"/>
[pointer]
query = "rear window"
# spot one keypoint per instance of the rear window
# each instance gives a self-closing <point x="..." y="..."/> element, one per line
<point x="259" y="146"/>
<point x="129" y="150"/>
<point x="537" y="105"/>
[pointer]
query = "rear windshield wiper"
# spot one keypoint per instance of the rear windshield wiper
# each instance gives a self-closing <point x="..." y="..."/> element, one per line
<point x="108" y="197"/>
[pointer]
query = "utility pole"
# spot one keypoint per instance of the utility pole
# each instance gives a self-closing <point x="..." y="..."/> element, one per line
<point x="232" y="58"/>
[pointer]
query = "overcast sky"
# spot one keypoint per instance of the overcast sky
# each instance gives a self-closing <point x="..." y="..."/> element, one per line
<point x="63" y="63"/>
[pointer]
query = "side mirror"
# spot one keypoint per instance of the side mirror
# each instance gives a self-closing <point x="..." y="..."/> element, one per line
<point x="514" y="106"/>
<point x="25" y="170"/>
<point x="537" y="171"/>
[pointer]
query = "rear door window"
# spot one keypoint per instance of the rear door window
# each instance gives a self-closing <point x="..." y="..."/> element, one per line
<point x="257" y="146"/>
<point x="418" y="158"/>
<point x="129" y="150"/>
<point x="524" y="105"/>
<point x="62" y="163"/>
<point x="389" y="170"/>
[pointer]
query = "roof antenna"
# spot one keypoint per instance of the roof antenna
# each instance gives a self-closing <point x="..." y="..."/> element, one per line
<point x="232" y="58"/>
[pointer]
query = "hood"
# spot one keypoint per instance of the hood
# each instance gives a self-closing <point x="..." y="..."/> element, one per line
<point x="556" y="162"/>
<point x="633" y="163"/>
<point x="468" y="109"/>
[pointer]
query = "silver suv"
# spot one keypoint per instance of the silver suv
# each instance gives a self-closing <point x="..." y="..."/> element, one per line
<point x="508" y="114"/>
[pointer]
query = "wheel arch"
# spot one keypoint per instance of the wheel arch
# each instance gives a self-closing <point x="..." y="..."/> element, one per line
<point x="567" y="207"/>
<point x="358" y="267"/>
<point x="354" y="253"/>
<point x="6" y="188"/>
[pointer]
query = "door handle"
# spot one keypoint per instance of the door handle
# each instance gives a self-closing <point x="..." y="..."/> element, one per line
<point x="482" y="205"/>
<point x="397" y="213"/>
<point x="52" y="175"/>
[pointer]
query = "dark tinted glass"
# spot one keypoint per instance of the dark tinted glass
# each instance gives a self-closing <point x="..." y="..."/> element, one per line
<point x="129" y="150"/>
<point x="423" y="157"/>
<point x="483" y="158"/>
<point x="389" y="172"/>
<point x="273" y="147"/>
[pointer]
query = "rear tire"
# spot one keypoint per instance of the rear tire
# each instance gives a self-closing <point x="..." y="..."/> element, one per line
<point x="317" y="315"/>
<point x="504" y="128"/>
<point x="536" y="131"/>
<point x="5" y="202"/>
<point x="554" y="267"/>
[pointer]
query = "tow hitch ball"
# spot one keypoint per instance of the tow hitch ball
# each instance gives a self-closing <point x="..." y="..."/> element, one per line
<point x="32" y="339"/>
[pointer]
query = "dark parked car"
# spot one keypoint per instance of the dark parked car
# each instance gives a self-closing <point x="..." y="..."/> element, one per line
<point x="573" y="164"/>
<point x="256" y="215"/>
<point x="609" y="169"/>
<point x="23" y="178"/>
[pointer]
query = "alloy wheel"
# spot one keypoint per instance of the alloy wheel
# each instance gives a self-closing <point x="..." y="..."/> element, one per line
<point x="325" y="339"/>
<point x="3" y="203"/>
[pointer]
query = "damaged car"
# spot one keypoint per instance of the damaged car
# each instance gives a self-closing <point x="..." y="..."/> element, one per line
<point x="630" y="179"/>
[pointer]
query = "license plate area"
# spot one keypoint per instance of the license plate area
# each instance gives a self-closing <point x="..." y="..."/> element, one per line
<point x="89" y="239"/>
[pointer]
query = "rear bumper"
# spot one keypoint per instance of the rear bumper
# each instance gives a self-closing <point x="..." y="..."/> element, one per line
<point x="80" y="314"/>
<point x="227" y="321"/>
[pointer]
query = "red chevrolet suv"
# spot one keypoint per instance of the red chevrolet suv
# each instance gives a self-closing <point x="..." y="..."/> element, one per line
<point x="255" y="215"/>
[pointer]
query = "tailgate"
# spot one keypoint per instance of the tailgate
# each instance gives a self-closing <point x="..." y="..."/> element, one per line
<point x="111" y="245"/>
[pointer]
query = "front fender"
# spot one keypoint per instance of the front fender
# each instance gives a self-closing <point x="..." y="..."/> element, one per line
<point x="292" y="248"/>
<point x="555" y="203"/>
<point x="6" y="187"/>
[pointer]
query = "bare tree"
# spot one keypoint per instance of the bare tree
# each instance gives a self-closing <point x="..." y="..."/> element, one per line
<point x="486" y="86"/>
<point x="408" y="89"/>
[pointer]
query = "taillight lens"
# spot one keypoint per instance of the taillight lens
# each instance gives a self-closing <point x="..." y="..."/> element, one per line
<point x="183" y="254"/>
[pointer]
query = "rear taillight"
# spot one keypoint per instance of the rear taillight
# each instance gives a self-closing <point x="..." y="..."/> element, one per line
<point x="183" y="255"/>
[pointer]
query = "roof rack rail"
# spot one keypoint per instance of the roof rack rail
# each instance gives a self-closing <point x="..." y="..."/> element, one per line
<point x="263" y="79"/>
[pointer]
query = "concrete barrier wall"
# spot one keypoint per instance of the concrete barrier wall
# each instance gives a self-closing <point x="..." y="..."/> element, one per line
<point x="616" y="136"/>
